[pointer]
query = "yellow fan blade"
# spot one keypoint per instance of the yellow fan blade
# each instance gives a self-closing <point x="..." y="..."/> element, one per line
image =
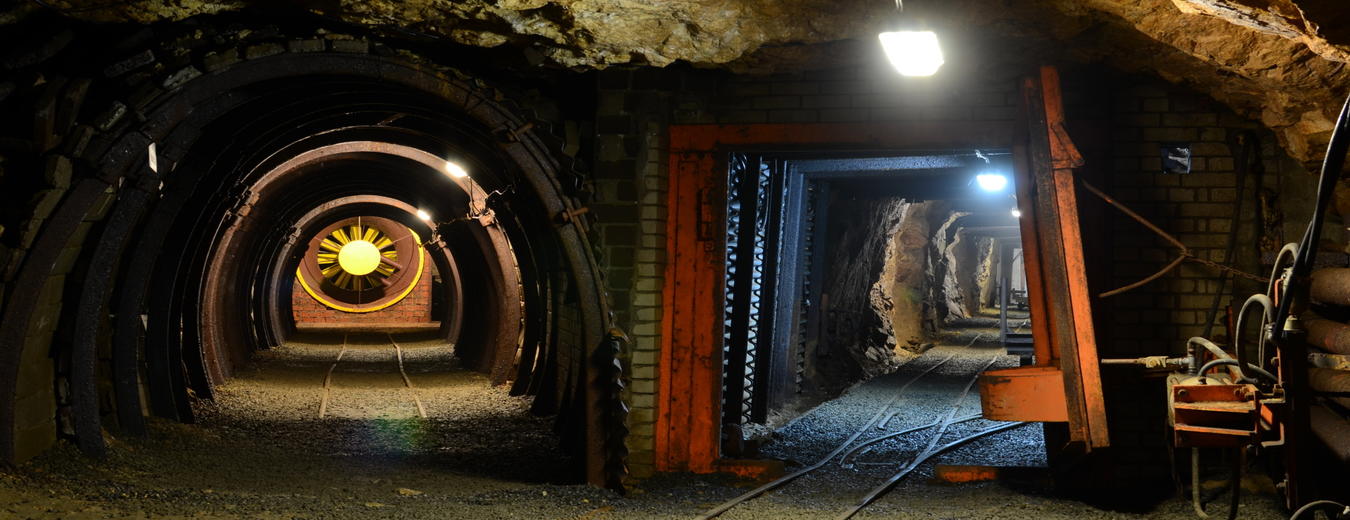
<point x="328" y="271"/>
<point x="384" y="269"/>
<point x="343" y="280"/>
<point x="391" y="254"/>
<point x="329" y="244"/>
<point x="341" y="236"/>
<point x="383" y="242"/>
<point x="370" y="235"/>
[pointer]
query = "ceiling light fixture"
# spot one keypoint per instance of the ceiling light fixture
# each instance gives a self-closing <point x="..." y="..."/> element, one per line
<point x="912" y="53"/>
<point x="991" y="182"/>
<point x="455" y="170"/>
<point x="912" y="49"/>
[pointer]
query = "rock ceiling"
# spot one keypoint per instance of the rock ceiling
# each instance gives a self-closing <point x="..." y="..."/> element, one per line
<point x="1279" y="61"/>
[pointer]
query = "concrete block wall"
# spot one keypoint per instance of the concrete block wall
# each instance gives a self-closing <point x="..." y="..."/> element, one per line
<point x="414" y="308"/>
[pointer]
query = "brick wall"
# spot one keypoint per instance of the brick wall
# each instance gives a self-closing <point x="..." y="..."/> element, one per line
<point x="1198" y="209"/>
<point x="415" y="308"/>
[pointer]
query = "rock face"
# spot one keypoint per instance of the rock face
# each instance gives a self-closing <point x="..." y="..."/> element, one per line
<point x="859" y="342"/>
<point x="904" y="280"/>
<point x="1281" y="62"/>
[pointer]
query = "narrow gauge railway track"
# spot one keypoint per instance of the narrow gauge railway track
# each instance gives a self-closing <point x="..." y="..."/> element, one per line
<point x="848" y="451"/>
<point x="408" y="388"/>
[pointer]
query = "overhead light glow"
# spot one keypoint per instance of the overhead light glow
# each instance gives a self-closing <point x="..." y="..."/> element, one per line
<point x="991" y="182"/>
<point x="912" y="53"/>
<point x="455" y="170"/>
<point x="1016" y="213"/>
<point x="422" y="214"/>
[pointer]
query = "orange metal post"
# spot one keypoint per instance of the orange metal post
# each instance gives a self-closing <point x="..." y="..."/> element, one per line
<point x="1065" y="157"/>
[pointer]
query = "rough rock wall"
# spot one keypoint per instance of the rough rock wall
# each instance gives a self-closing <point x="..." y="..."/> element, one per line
<point x="904" y="279"/>
<point x="1281" y="61"/>
<point x="984" y="289"/>
<point x="859" y="342"/>
<point x="945" y="293"/>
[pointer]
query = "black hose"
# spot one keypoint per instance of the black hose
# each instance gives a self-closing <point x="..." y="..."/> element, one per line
<point x="1240" y="146"/>
<point x="1255" y="369"/>
<point x="1268" y="314"/>
<point x="1234" y="484"/>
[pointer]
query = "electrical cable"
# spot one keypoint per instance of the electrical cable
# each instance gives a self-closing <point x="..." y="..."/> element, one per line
<point x="1321" y="504"/>
<point x="1240" y="145"/>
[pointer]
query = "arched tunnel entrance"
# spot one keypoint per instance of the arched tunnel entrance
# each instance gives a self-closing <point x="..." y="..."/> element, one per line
<point x="230" y="189"/>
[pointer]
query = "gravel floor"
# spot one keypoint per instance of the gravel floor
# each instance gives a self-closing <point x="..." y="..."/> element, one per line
<point x="260" y="451"/>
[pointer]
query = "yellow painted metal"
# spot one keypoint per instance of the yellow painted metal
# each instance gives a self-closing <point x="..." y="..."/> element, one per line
<point x="359" y="257"/>
<point x="331" y="266"/>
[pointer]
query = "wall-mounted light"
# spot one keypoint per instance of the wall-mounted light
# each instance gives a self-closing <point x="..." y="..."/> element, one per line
<point x="455" y="170"/>
<point x="423" y="215"/>
<point x="1016" y="213"/>
<point x="991" y="182"/>
<point x="912" y="53"/>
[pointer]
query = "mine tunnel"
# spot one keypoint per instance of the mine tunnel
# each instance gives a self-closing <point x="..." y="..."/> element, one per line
<point x="538" y="259"/>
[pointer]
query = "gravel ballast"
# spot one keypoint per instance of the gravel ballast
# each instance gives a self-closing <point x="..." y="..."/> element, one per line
<point x="261" y="451"/>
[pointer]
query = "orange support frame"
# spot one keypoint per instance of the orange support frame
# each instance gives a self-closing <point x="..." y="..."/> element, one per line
<point x="687" y="433"/>
<point x="1061" y="313"/>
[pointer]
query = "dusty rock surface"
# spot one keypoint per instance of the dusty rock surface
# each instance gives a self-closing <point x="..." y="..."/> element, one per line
<point x="1281" y="62"/>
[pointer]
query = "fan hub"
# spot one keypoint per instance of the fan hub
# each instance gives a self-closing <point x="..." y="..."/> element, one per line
<point x="359" y="257"/>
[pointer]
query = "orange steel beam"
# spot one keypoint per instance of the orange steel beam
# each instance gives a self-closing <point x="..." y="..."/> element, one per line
<point x="1065" y="157"/>
<point x="1031" y="260"/>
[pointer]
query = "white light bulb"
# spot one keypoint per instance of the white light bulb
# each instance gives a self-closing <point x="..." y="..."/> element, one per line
<point x="1016" y="213"/>
<point x="912" y="53"/>
<point x="991" y="181"/>
<point x="455" y="170"/>
<point x="422" y="214"/>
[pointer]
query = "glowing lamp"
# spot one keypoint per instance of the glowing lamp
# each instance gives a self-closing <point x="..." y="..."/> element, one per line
<point x="991" y="182"/>
<point x="423" y="215"/>
<point x="912" y="53"/>
<point x="455" y="170"/>
<point x="1016" y="213"/>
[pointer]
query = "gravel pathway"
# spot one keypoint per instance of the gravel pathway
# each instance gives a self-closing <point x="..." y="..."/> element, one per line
<point x="260" y="451"/>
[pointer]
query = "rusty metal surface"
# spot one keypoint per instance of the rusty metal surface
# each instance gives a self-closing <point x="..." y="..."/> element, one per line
<point x="1208" y="412"/>
<point x="1333" y="429"/>
<point x="1332" y="383"/>
<point x="1032" y="393"/>
<point x="1329" y="335"/>
<point x="1330" y="285"/>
